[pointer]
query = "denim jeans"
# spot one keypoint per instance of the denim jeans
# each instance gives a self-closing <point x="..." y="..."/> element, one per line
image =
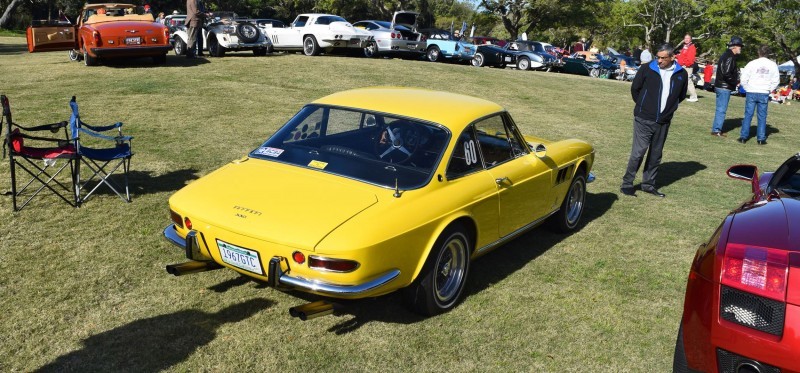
<point x="755" y="102"/>
<point x="723" y="96"/>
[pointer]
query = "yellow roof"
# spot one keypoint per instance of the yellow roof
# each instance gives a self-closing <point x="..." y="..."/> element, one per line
<point x="452" y="110"/>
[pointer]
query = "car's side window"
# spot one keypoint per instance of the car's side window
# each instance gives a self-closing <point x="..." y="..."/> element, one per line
<point x="300" y="21"/>
<point x="498" y="140"/>
<point x="310" y="128"/>
<point x="466" y="158"/>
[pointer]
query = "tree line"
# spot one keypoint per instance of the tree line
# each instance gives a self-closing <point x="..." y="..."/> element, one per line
<point x="622" y="24"/>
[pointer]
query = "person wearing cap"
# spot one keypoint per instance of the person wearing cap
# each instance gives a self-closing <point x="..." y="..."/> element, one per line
<point x="686" y="58"/>
<point x="727" y="80"/>
<point x="147" y="9"/>
<point x="657" y="89"/>
<point x="759" y="78"/>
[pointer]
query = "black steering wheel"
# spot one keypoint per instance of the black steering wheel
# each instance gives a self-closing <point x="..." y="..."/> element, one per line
<point x="396" y="143"/>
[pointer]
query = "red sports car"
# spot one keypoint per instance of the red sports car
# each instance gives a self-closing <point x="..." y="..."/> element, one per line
<point x="742" y="307"/>
<point x="103" y="31"/>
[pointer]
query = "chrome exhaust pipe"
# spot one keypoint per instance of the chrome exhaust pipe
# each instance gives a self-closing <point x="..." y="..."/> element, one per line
<point x="312" y="310"/>
<point x="190" y="267"/>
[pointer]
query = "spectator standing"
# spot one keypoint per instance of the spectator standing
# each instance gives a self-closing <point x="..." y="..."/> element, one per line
<point x="686" y="58"/>
<point x="147" y="9"/>
<point x="645" y="57"/>
<point x="759" y="78"/>
<point x="727" y="80"/>
<point x="708" y="73"/>
<point x="195" y="16"/>
<point x="652" y="116"/>
<point x="637" y="53"/>
<point x="160" y="19"/>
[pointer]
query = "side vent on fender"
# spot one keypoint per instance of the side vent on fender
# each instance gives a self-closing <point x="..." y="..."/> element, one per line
<point x="563" y="174"/>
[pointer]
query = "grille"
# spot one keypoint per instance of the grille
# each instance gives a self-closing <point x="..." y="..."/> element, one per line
<point x="732" y="363"/>
<point x="752" y="311"/>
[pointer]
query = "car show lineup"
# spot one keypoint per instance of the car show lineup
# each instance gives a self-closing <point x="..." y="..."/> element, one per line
<point x="106" y="31"/>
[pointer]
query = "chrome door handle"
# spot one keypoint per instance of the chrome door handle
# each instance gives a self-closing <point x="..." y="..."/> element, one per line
<point x="502" y="180"/>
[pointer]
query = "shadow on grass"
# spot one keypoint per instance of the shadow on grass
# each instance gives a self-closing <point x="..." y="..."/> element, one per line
<point x="734" y="124"/>
<point x="485" y="271"/>
<point x="671" y="172"/>
<point x="153" y="344"/>
<point x="147" y="62"/>
<point x="13" y="48"/>
<point x="142" y="182"/>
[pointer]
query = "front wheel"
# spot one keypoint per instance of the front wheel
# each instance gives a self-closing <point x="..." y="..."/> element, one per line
<point x="441" y="282"/>
<point x="434" y="54"/>
<point x="310" y="46"/>
<point x="594" y="72"/>
<point x="478" y="60"/>
<point x="214" y="49"/>
<point x="569" y="215"/>
<point x="179" y="47"/>
<point x="523" y="63"/>
<point x="371" y="50"/>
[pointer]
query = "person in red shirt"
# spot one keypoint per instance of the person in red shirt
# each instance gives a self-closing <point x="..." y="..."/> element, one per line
<point x="686" y="59"/>
<point x="708" y="73"/>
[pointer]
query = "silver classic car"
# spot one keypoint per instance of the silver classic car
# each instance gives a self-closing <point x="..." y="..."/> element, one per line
<point x="397" y="37"/>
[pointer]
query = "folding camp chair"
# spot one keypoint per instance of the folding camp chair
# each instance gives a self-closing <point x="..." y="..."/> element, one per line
<point x="102" y="162"/>
<point x="46" y="176"/>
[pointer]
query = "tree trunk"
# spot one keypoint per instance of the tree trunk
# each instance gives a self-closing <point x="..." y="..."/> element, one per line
<point x="5" y="20"/>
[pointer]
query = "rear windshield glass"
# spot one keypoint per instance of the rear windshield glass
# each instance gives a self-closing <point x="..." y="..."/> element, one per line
<point x="327" y="20"/>
<point x="374" y="148"/>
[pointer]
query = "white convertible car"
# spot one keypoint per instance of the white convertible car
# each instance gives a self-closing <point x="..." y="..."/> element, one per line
<point x="315" y="33"/>
<point x="225" y="31"/>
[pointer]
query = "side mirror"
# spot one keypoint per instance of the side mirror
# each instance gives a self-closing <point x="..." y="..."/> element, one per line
<point x="540" y="150"/>
<point x="746" y="172"/>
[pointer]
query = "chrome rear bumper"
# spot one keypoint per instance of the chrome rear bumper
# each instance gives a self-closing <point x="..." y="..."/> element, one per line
<point x="280" y="278"/>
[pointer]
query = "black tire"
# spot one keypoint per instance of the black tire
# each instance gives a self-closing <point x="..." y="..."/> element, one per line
<point x="679" y="363"/>
<point x="523" y="63"/>
<point x="260" y="52"/>
<point x="179" y="46"/>
<point x="214" y="49"/>
<point x="440" y="284"/>
<point x="434" y="54"/>
<point x="75" y="55"/>
<point x="594" y="72"/>
<point x="89" y="60"/>
<point x="310" y="46"/>
<point x="569" y="215"/>
<point x="478" y="60"/>
<point x="160" y="60"/>
<point x="247" y="32"/>
<point x="371" y="50"/>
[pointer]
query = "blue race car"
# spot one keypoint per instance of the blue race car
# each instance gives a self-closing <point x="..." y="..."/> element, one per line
<point x="443" y="45"/>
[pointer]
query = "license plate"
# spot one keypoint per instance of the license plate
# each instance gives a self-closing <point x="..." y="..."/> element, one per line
<point x="133" y="40"/>
<point x="355" y="41"/>
<point x="240" y="257"/>
<point x="411" y="46"/>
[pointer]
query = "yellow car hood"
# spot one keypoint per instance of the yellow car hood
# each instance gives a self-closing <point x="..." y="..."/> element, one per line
<point x="270" y="201"/>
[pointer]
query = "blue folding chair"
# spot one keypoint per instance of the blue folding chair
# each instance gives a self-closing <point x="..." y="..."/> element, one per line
<point x="102" y="162"/>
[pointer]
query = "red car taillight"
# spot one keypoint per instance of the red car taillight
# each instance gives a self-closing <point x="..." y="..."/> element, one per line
<point x="187" y="222"/>
<point x="757" y="270"/>
<point x="176" y="218"/>
<point x="166" y="35"/>
<point x="96" y="36"/>
<point x="333" y="265"/>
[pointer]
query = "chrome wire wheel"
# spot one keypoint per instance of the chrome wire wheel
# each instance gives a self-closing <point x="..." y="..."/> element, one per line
<point x="451" y="267"/>
<point x="371" y="50"/>
<point x="477" y="61"/>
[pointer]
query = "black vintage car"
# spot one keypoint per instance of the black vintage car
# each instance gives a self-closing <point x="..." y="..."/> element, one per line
<point x="519" y="53"/>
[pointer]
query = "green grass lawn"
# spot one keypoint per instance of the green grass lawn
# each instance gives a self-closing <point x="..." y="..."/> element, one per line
<point x="85" y="289"/>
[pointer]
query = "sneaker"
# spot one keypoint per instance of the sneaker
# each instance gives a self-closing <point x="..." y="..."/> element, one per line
<point x="692" y="99"/>
<point x="762" y="142"/>
<point x="718" y="134"/>
<point x="742" y="140"/>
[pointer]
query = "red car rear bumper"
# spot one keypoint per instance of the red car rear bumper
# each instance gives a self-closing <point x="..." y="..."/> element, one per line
<point x="147" y="51"/>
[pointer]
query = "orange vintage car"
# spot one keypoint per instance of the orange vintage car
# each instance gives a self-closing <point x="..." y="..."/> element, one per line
<point x="103" y="31"/>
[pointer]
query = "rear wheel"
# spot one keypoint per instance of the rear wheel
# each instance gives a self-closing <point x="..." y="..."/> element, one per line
<point x="478" y="60"/>
<point x="75" y="55"/>
<point x="523" y="63"/>
<point x="440" y="284"/>
<point x="594" y="72"/>
<point x="679" y="363"/>
<point x="434" y="54"/>
<point x="569" y="215"/>
<point x="214" y="49"/>
<point x="310" y="46"/>
<point x="88" y="60"/>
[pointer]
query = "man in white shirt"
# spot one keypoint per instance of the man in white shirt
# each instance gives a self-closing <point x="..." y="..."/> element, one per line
<point x="759" y="78"/>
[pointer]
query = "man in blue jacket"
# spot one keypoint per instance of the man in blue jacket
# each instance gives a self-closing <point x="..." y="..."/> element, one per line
<point x="657" y="89"/>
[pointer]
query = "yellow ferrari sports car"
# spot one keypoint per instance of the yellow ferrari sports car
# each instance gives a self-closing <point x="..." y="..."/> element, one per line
<point x="373" y="190"/>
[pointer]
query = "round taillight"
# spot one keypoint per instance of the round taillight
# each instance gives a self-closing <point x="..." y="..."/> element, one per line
<point x="298" y="257"/>
<point x="187" y="222"/>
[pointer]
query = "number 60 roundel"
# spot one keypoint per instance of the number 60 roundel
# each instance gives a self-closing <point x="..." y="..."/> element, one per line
<point x="470" y="154"/>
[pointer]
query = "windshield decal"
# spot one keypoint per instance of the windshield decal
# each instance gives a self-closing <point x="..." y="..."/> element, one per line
<point x="269" y="152"/>
<point x="318" y="164"/>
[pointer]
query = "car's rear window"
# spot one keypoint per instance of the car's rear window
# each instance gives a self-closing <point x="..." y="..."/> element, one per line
<point x="327" y="20"/>
<point x="378" y="149"/>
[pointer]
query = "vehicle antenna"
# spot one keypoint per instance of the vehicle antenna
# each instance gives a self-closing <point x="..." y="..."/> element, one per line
<point x="397" y="193"/>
